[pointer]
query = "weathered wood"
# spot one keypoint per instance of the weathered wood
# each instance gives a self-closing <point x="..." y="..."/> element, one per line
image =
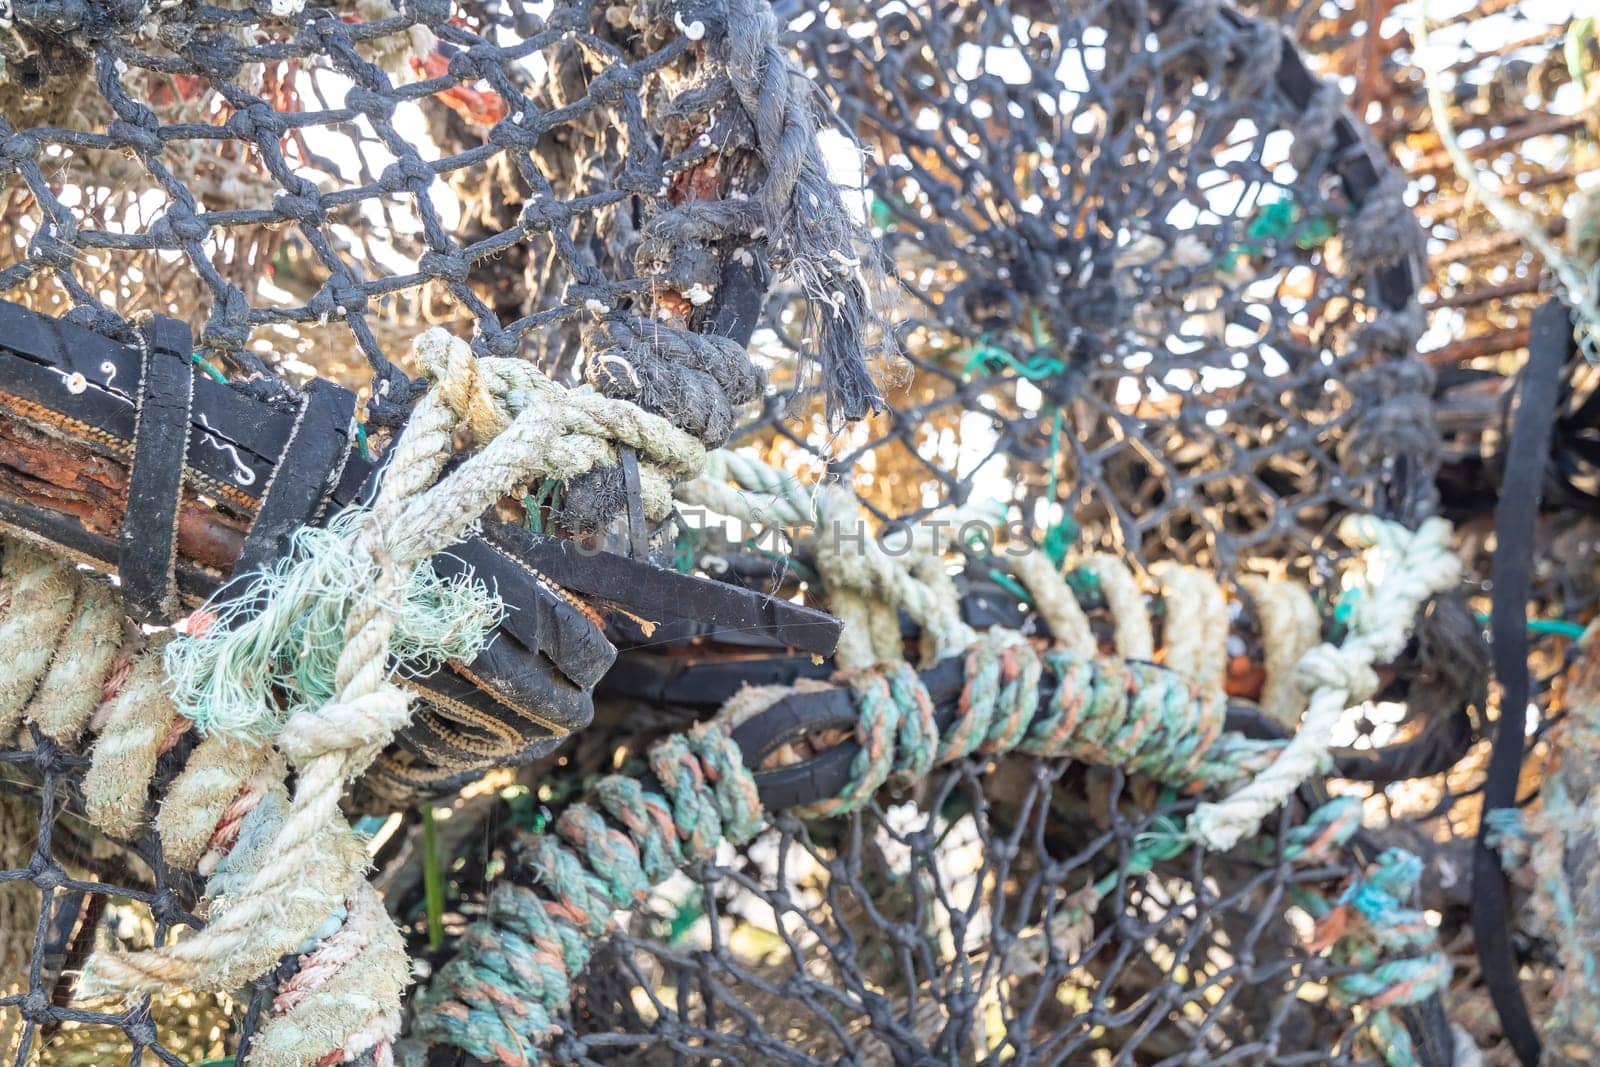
<point x="71" y="478"/>
<point x="1489" y="344"/>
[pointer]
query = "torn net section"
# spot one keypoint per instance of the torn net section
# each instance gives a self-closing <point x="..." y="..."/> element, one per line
<point x="1139" y="308"/>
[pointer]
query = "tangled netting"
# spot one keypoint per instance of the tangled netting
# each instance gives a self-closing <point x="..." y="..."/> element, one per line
<point x="1118" y="270"/>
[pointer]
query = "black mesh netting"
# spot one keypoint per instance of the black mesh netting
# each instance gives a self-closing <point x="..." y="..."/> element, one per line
<point x="1152" y="292"/>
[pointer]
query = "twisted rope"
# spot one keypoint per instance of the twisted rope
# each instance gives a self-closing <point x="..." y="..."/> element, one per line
<point x="331" y="626"/>
<point x="1373" y="927"/>
<point x="1287" y="621"/>
<point x="517" y="965"/>
<point x="815" y="240"/>
<point x="1412" y="567"/>
<point x="865" y="587"/>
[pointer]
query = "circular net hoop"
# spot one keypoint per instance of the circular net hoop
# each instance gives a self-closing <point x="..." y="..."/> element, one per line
<point x="1131" y="309"/>
<point x="1139" y="299"/>
<point x="1101" y="212"/>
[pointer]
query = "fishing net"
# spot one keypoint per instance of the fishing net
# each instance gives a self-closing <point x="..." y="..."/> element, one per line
<point x="1131" y="286"/>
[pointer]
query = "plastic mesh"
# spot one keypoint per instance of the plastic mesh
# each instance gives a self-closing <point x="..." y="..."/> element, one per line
<point x="1142" y="304"/>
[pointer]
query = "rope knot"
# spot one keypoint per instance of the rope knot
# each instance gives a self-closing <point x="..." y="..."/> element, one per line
<point x="453" y="371"/>
<point x="1338" y="667"/>
<point x="359" y="726"/>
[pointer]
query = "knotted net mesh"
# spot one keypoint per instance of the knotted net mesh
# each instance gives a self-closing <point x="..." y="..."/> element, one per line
<point x="1149" y="293"/>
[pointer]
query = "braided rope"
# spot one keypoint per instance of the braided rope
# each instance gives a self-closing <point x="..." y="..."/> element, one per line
<point x="138" y="722"/>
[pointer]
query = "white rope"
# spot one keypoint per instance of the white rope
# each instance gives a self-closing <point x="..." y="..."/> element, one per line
<point x="533" y="430"/>
<point x="1289" y="626"/>
<point x="1056" y="602"/>
<point x="1120" y="591"/>
<point x="864" y="585"/>
<point x="1404" y="570"/>
<point x="1195" y="629"/>
<point x="854" y="567"/>
<point x="762" y="492"/>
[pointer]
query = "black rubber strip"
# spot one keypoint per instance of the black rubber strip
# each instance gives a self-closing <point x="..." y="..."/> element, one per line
<point x="536" y="615"/>
<point x="312" y="461"/>
<point x="654" y="590"/>
<point x="148" y="544"/>
<point x="1550" y="344"/>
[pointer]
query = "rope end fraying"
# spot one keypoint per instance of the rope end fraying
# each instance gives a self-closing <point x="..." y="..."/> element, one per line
<point x="286" y="632"/>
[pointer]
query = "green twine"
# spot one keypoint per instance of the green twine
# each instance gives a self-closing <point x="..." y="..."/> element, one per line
<point x="1011" y="585"/>
<point x="1550" y="627"/>
<point x="880" y="212"/>
<point x="683" y="551"/>
<point x="1573" y="48"/>
<point x="1274" y="221"/>
<point x="199" y="361"/>
<point x="272" y="651"/>
<point x="1085" y="585"/>
<point x="1166" y="840"/>
<point x="533" y="504"/>
<point x="989" y="358"/>
<point x="691" y="911"/>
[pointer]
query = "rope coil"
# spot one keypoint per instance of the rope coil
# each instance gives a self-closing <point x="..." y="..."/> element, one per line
<point x="517" y="965"/>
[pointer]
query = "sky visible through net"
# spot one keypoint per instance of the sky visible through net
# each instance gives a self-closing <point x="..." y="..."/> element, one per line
<point x="1152" y="296"/>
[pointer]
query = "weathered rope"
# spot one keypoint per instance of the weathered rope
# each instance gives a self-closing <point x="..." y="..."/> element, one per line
<point x="1412" y="567"/>
<point x="137" y="725"/>
<point x="740" y="486"/>
<point x="1373" y="927"/>
<point x="517" y="965"/>
<point x="1120" y="711"/>
<point x="865" y="587"/>
<point x="40" y="595"/>
<point x="218" y="816"/>
<point x="1287" y="620"/>
<point x="814" y="239"/>
<point x="1556" y="841"/>
<point x="330" y="627"/>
